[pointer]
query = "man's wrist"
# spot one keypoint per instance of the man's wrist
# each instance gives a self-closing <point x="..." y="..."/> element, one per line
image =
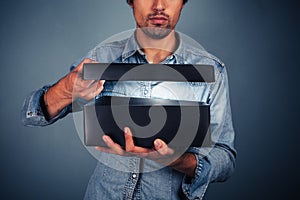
<point x="43" y="104"/>
<point x="186" y="164"/>
<point x="55" y="99"/>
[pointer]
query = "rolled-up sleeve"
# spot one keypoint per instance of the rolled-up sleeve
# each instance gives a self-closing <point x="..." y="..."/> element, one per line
<point x="217" y="162"/>
<point x="32" y="113"/>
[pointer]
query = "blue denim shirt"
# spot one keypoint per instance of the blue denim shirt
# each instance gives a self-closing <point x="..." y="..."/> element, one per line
<point x="165" y="183"/>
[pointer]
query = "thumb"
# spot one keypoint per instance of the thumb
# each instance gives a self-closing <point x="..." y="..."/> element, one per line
<point x="79" y="67"/>
<point x="161" y="147"/>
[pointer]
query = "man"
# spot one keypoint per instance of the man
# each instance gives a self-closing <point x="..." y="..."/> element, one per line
<point x="154" y="41"/>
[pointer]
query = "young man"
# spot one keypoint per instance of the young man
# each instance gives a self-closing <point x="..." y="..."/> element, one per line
<point x="154" y="41"/>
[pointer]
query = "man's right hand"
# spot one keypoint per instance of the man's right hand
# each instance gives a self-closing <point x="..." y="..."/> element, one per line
<point x="70" y="88"/>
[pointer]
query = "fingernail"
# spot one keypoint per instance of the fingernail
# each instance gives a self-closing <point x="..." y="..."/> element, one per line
<point x="126" y="130"/>
<point x="105" y="139"/>
<point x="157" y="143"/>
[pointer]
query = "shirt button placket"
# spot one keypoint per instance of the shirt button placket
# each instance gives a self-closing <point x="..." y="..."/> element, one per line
<point x="146" y="92"/>
<point x="147" y="89"/>
<point x="131" y="184"/>
<point x="132" y="180"/>
<point x="134" y="175"/>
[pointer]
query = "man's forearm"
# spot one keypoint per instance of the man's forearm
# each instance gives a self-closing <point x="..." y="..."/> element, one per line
<point x="55" y="101"/>
<point x="186" y="164"/>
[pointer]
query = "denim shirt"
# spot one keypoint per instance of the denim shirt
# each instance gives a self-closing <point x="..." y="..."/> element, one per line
<point x="165" y="183"/>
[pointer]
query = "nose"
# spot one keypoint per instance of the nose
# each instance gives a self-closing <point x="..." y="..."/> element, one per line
<point x="159" y="5"/>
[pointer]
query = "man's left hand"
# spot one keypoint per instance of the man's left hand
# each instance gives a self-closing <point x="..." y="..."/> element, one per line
<point x="161" y="153"/>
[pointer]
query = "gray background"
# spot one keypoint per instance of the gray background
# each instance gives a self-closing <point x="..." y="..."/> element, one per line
<point x="257" y="39"/>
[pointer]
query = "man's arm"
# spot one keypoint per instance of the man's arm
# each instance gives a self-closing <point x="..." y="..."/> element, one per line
<point x="216" y="163"/>
<point x="186" y="164"/>
<point x="70" y="88"/>
<point x="50" y="103"/>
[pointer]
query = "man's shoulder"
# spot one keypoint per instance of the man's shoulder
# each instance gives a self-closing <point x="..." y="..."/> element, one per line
<point x="196" y="54"/>
<point x="115" y="44"/>
<point x="109" y="50"/>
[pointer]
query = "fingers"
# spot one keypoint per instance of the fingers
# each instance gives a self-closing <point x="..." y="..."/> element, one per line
<point x="162" y="148"/>
<point x="101" y="83"/>
<point x="128" y="140"/>
<point x="88" y="90"/>
<point x="161" y="152"/>
<point x="113" y="147"/>
<point x="130" y="146"/>
<point x="75" y="87"/>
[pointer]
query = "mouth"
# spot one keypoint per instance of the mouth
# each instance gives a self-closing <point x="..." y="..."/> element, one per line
<point x="158" y="19"/>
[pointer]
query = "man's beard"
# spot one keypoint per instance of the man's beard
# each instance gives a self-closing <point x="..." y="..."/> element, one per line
<point x="157" y="32"/>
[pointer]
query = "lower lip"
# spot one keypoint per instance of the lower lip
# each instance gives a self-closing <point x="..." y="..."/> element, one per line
<point x="158" y="21"/>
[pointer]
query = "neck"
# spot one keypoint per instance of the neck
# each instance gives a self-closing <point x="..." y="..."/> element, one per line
<point x="156" y="50"/>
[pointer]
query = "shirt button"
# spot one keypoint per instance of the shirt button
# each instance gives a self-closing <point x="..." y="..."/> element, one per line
<point x="146" y="92"/>
<point x="134" y="176"/>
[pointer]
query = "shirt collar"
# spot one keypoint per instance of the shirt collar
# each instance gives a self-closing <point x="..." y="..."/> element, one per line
<point x="131" y="47"/>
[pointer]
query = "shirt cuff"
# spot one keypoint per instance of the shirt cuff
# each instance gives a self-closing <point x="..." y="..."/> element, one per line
<point x="195" y="188"/>
<point x="32" y="112"/>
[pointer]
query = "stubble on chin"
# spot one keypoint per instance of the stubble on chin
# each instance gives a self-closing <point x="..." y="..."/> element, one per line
<point x="156" y="32"/>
